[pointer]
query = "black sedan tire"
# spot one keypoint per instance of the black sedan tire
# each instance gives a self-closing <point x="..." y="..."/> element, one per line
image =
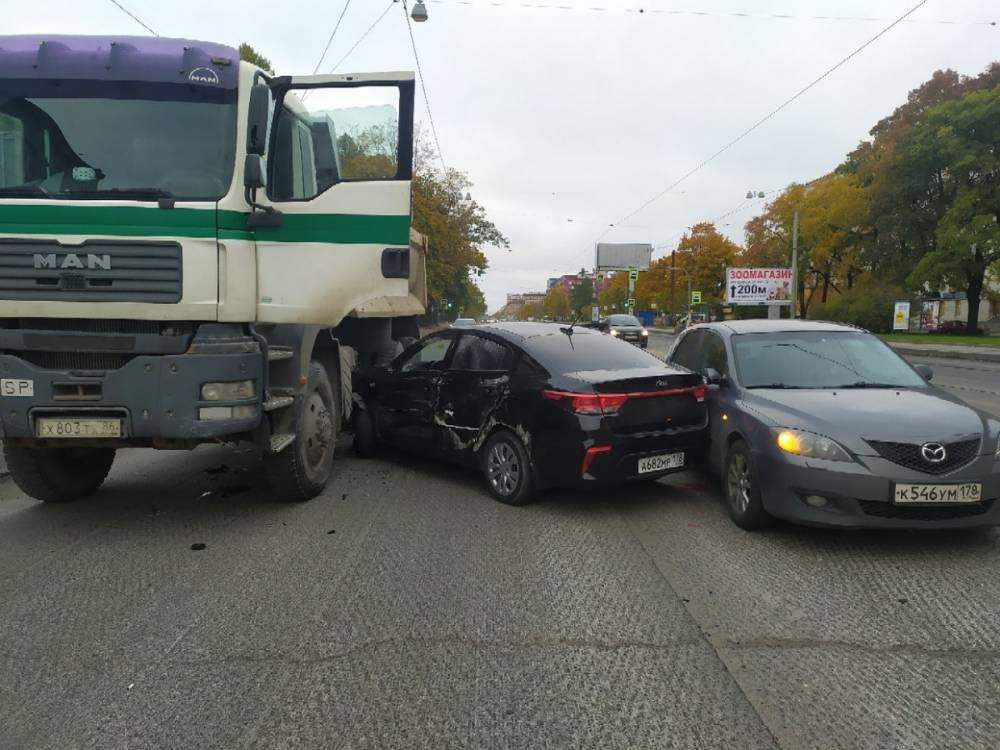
<point x="365" y="442"/>
<point x="507" y="468"/>
<point x="741" y="490"/>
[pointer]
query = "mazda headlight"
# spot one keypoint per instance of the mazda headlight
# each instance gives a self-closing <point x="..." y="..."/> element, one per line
<point x="645" y="332"/>
<point x="613" y="332"/>
<point x="809" y="444"/>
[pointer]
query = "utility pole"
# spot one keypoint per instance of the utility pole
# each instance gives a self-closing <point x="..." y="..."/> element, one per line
<point x="795" y="263"/>
<point x="673" y="309"/>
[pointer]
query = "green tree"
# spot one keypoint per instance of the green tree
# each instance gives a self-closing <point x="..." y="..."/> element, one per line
<point x="556" y="302"/>
<point x="582" y="297"/>
<point x="250" y="55"/>
<point x="956" y="150"/>
<point x="457" y="230"/>
<point x="705" y="254"/>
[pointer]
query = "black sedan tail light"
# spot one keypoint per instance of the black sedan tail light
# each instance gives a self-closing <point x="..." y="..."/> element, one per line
<point x="608" y="404"/>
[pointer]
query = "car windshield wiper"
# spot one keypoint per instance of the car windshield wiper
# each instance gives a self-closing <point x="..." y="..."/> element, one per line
<point x="778" y="385"/>
<point x="138" y="192"/>
<point x="25" y="191"/>
<point x="865" y="384"/>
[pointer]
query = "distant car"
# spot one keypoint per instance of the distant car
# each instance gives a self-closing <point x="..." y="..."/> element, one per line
<point x="463" y="323"/>
<point x="953" y="326"/>
<point x="628" y="328"/>
<point x="825" y="425"/>
<point x="534" y="405"/>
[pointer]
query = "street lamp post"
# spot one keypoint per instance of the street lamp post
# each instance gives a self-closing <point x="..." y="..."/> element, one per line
<point x="688" y="274"/>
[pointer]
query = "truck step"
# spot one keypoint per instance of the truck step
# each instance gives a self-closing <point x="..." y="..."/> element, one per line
<point x="281" y="441"/>
<point x="276" y="353"/>
<point x="279" y="392"/>
<point x="278" y="402"/>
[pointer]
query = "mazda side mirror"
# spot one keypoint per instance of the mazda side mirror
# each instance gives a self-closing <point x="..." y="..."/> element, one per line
<point x="925" y="372"/>
<point x="714" y="377"/>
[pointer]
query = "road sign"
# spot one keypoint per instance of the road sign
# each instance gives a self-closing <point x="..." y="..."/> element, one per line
<point x="758" y="286"/>
<point x="695" y="298"/>
<point x="595" y="313"/>
<point x="633" y="274"/>
<point x="901" y="317"/>
<point x="630" y="302"/>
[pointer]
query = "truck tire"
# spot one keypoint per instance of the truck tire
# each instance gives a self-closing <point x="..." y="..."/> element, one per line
<point x="301" y="471"/>
<point x="57" y="475"/>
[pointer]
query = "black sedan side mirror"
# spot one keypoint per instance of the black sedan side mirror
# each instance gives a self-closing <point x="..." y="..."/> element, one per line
<point x="714" y="377"/>
<point x="925" y="372"/>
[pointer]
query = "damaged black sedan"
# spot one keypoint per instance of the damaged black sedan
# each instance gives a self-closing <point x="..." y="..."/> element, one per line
<point x="535" y="405"/>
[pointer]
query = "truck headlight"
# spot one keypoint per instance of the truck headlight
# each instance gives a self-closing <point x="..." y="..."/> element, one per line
<point x="809" y="444"/>
<point x="238" y="390"/>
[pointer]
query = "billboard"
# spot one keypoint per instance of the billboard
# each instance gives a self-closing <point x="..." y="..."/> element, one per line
<point x="613" y="256"/>
<point x="758" y="286"/>
<point x="901" y="316"/>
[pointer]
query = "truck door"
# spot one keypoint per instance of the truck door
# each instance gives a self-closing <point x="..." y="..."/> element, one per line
<point x="340" y="162"/>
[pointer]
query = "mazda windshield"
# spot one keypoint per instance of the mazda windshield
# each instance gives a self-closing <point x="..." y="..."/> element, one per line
<point x="116" y="139"/>
<point x="820" y="359"/>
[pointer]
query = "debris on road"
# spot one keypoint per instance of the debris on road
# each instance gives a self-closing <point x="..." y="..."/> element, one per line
<point x="198" y="546"/>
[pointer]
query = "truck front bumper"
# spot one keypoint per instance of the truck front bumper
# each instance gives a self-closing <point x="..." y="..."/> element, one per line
<point x="157" y="397"/>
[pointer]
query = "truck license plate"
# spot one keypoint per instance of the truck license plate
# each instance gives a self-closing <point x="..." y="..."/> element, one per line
<point x="662" y="462"/>
<point x="62" y="427"/>
<point x="971" y="492"/>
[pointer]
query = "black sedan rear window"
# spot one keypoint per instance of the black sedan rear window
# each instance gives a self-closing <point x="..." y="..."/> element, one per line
<point x="560" y="353"/>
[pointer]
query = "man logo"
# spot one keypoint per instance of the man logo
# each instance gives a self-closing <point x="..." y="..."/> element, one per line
<point x="933" y="453"/>
<point x="90" y="261"/>
<point x="204" y="75"/>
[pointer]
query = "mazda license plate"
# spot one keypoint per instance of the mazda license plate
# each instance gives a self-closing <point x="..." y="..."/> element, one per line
<point x="661" y="462"/>
<point x="71" y="427"/>
<point x="924" y="494"/>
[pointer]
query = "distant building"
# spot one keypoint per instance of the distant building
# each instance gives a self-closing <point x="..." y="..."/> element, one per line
<point x="516" y="301"/>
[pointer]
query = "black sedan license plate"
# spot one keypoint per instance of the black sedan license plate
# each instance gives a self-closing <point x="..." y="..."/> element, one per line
<point x="63" y="427"/>
<point x="662" y="462"/>
<point x="924" y="494"/>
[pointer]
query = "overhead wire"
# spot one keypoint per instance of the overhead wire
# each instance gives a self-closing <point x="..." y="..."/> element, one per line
<point x="363" y="36"/>
<point x="423" y="88"/>
<point x="333" y="33"/>
<point x="133" y="16"/>
<point x="704" y="163"/>
<point x="648" y="11"/>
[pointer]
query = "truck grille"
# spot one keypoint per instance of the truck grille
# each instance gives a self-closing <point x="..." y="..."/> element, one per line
<point x="95" y="271"/>
<point x="908" y="455"/>
<point x="75" y="360"/>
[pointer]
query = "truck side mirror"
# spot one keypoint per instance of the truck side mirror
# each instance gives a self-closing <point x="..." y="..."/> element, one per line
<point x="254" y="174"/>
<point x="258" y="119"/>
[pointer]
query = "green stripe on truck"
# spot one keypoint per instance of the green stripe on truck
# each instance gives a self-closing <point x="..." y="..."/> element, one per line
<point x="140" y="221"/>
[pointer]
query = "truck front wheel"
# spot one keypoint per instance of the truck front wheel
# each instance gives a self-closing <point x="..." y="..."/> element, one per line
<point x="301" y="470"/>
<point x="57" y="475"/>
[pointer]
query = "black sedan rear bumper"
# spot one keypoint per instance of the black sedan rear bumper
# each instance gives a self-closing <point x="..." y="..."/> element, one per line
<point x="594" y="459"/>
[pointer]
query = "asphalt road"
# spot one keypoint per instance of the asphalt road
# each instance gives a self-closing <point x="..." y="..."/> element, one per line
<point x="405" y="608"/>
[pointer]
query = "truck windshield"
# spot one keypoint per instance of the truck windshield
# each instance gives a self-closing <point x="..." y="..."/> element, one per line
<point x="116" y="139"/>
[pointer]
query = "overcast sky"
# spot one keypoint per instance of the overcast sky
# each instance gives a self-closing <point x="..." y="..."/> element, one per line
<point x="567" y="120"/>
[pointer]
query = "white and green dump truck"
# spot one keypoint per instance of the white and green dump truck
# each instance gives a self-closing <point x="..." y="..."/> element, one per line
<point x="193" y="250"/>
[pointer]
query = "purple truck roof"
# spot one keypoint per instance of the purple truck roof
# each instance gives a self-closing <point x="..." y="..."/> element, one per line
<point x="119" y="58"/>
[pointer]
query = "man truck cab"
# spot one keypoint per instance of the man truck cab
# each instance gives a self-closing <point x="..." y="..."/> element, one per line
<point x="193" y="250"/>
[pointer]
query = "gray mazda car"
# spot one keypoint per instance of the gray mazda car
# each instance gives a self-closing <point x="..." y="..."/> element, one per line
<point x="824" y="424"/>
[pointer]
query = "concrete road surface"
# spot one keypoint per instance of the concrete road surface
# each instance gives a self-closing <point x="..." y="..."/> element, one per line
<point x="404" y="608"/>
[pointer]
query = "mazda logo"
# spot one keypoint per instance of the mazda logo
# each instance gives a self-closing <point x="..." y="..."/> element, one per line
<point x="933" y="453"/>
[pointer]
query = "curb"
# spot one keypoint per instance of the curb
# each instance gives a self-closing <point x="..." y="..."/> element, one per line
<point x="919" y="351"/>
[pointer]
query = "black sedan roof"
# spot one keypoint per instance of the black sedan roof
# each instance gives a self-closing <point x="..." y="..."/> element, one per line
<point x="518" y="332"/>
